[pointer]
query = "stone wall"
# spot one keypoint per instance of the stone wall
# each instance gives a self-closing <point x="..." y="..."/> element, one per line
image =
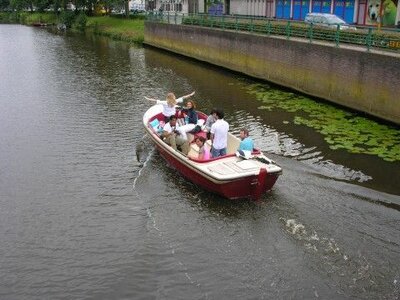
<point x="368" y="82"/>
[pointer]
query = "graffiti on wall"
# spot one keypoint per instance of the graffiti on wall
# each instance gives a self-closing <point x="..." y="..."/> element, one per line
<point x="381" y="11"/>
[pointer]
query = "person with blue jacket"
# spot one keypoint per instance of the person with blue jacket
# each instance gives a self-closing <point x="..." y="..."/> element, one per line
<point x="190" y="112"/>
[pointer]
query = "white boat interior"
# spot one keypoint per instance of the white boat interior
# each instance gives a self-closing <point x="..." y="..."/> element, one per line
<point x="228" y="167"/>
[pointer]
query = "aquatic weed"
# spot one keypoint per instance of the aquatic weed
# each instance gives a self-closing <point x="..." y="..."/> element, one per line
<point x="341" y="129"/>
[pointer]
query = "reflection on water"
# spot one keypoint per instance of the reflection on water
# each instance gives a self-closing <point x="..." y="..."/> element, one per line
<point x="82" y="216"/>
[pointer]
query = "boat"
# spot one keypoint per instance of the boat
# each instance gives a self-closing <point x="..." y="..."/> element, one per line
<point x="232" y="176"/>
<point x="39" y="24"/>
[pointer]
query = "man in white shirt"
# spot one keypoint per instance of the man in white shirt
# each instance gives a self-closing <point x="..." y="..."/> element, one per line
<point x="219" y="135"/>
<point x="172" y="136"/>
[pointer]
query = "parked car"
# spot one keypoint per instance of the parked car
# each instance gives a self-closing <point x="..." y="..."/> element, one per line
<point x="327" y="20"/>
<point x="137" y="8"/>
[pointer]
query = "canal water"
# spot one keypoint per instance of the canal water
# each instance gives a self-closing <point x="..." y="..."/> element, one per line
<point x="89" y="210"/>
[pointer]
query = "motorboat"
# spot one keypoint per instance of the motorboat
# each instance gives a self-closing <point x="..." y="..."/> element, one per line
<point x="233" y="176"/>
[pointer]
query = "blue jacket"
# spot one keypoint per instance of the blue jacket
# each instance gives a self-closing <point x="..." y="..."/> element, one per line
<point x="192" y="114"/>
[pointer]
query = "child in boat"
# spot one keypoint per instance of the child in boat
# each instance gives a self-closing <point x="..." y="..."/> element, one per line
<point x="169" y="104"/>
<point x="198" y="149"/>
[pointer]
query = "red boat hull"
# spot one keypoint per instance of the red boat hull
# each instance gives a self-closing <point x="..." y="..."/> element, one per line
<point x="247" y="187"/>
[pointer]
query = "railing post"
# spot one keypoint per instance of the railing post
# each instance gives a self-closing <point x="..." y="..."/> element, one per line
<point x="223" y="22"/>
<point x="168" y="17"/>
<point x="251" y="25"/>
<point x="175" y="18"/>
<point x="368" y="40"/>
<point x="288" y="30"/>
<point x="337" y="35"/>
<point x="236" y="23"/>
<point x="310" y="33"/>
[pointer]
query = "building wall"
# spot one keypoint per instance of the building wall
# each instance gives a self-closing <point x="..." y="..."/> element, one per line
<point x="352" y="11"/>
<point x="360" y="80"/>
<point x="238" y="7"/>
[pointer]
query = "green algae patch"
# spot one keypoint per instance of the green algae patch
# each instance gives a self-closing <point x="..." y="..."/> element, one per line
<point x="341" y="129"/>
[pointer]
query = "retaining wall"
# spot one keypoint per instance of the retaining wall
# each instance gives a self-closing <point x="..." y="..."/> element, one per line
<point x="368" y="82"/>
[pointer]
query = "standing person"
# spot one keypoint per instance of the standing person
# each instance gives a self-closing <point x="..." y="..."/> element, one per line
<point x="169" y="104"/>
<point x="172" y="136"/>
<point x="219" y="135"/>
<point x="210" y="120"/>
<point x="246" y="142"/>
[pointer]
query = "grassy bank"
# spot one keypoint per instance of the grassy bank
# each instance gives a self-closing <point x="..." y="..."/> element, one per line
<point x="130" y="30"/>
<point x="28" y="18"/>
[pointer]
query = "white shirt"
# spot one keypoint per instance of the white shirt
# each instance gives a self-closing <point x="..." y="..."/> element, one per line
<point x="220" y="131"/>
<point x="168" y="128"/>
<point x="168" y="110"/>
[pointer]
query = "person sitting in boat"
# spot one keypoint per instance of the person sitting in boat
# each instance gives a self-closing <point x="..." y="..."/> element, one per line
<point x="246" y="142"/>
<point x="169" y="104"/>
<point x="219" y="135"/>
<point x="191" y="122"/>
<point x="191" y="116"/>
<point x="198" y="149"/>
<point x="172" y="136"/>
<point x="210" y="120"/>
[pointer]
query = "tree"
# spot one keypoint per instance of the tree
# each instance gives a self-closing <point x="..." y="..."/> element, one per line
<point x="19" y="5"/>
<point x="4" y="4"/>
<point x="41" y="5"/>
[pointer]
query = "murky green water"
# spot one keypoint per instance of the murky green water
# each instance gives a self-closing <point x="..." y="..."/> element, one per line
<point x="81" y="218"/>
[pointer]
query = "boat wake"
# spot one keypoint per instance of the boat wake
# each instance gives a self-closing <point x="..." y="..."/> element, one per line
<point x="182" y="267"/>
<point x="332" y="259"/>
<point x="142" y="158"/>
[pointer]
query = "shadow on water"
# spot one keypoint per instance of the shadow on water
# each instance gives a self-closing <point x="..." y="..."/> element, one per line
<point x="199" y="198"/>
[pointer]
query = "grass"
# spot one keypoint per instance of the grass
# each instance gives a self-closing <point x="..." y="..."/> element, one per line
<point x="129" y="30"/>
<point x="32" y="18"/>
<point x="28" y="18"/>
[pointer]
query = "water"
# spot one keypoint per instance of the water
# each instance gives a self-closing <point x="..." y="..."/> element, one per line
<point x="81" y="218"/>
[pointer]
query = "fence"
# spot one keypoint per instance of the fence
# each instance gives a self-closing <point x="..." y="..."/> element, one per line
<point x="367" y="37"/>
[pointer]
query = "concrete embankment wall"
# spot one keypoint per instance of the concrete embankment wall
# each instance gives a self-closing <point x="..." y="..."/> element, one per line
<point x="368" y="82"/>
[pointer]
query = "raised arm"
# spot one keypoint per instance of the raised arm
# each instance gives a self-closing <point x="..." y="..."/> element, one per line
<point x="150" y="99"/>
<point x="187" y="96"/>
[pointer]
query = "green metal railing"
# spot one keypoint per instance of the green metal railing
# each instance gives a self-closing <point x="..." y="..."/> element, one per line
<point x="369" y="38"/>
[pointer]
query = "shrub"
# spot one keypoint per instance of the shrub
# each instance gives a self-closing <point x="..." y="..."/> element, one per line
<point x="67" y="18"/>
<point x="81" y="21"/>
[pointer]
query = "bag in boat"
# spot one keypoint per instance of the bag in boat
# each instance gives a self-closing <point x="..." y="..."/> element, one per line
<point x="196" y="129"/>
<point x="245" y="154"/>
